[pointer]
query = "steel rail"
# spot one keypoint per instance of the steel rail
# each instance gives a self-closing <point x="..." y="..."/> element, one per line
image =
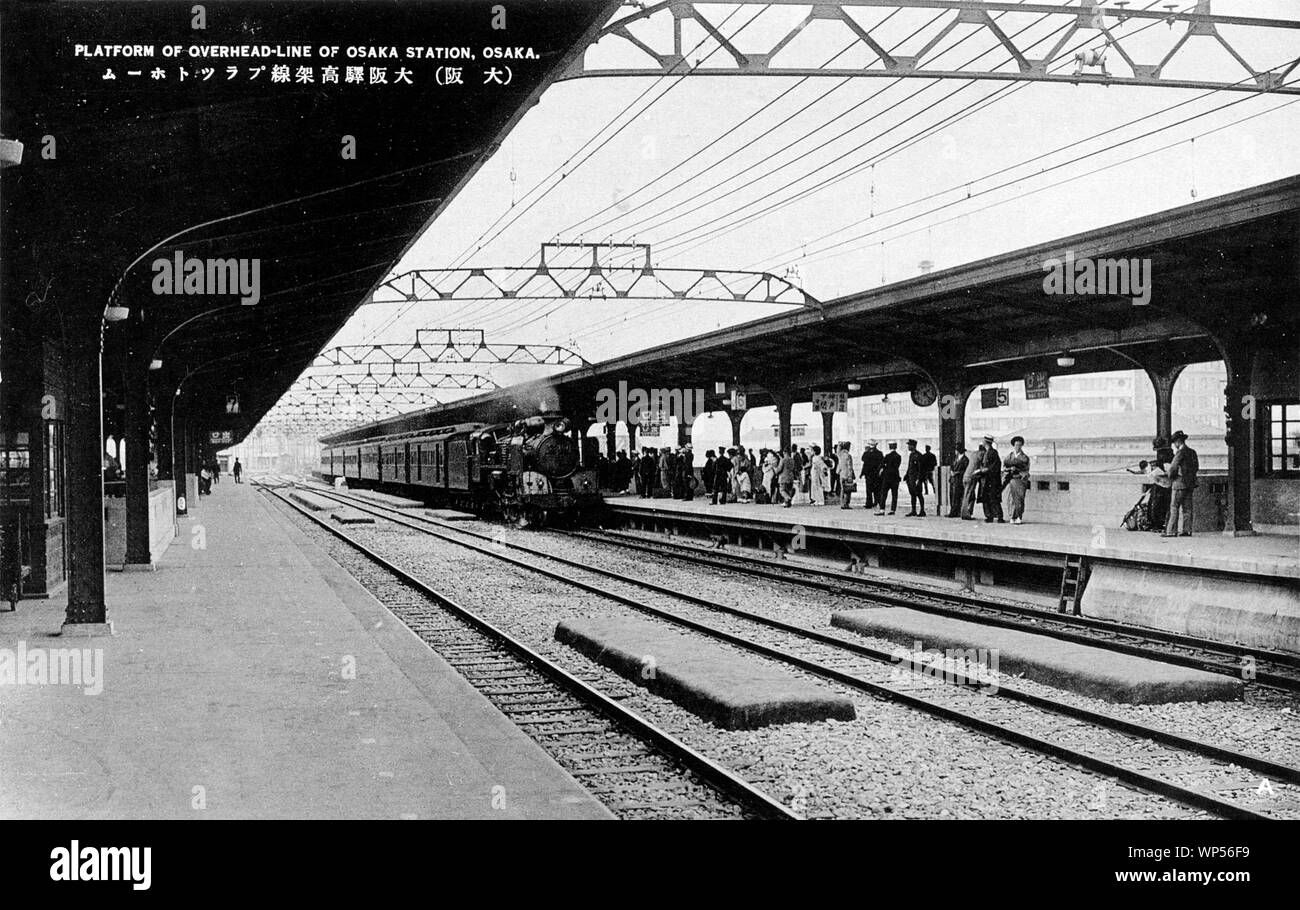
<point x="1137" y="778"/>
<point x="715" y="774"/>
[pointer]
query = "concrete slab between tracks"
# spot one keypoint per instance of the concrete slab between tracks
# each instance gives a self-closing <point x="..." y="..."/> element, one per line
<point x="250" y="676"/>
<point x="734" y="691"/>
<point x="387" y="499"/>
<point x="1090" y="671"/>
<point x="450" y="515"/>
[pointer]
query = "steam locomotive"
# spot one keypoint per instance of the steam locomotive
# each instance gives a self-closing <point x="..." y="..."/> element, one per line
<point x="531" y="471"/>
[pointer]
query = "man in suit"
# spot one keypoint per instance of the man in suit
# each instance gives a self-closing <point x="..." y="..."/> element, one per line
<point x="706" y="472"/>
<point x="971" y="483"/>
<point x="721" y="477"/>
<point x="686" y="473"/>
<point x="915" y="475"/>
<point x="889" y="478"/>
<point x="1182" y="483"/>
<point x="956" y="483"/>
<point x="872" y="462"/>
<point x="991" y="492"/>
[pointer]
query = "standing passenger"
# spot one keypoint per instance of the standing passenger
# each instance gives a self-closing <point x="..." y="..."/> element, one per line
<point x="846" y="469"/>
<point x="928" y="464"/>
<point x="873" y="462"/>
<point x="238" y="471"/>
<point x="1017" y="467"/>
<point x="956" y="484"/>
<point x="991" y="490"/>
<point x="915" y="479"/>
<point x="889" y="479"/>
<point x="721" y="477"/>
<point x="1182" y="481"/>
<point x="971" y="484"/>
<point x="817" y="476"/>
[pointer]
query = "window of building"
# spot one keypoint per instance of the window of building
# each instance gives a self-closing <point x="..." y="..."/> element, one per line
<point x="54" y="473"/>
<point x="1280" y="439"/>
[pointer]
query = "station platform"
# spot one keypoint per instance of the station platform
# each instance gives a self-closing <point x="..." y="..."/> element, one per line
<point x="1244" y="590"/>
<point x="224" y="695"/>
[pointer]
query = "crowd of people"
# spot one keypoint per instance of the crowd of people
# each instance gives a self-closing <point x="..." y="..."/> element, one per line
<point x="807" y="475"/>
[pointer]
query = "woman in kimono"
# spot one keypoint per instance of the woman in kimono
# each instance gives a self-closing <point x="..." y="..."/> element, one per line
<point x="1016" y="468"/>
<point x="817" y="477"/>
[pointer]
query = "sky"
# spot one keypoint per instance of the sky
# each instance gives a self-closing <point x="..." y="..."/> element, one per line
<point x="898" y="171"/>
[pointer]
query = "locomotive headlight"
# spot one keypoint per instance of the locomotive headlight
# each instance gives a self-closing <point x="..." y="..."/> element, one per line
<point x="561" y="426"/>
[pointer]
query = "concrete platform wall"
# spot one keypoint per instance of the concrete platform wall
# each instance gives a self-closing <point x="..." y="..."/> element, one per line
<point x="1260" y="613"/>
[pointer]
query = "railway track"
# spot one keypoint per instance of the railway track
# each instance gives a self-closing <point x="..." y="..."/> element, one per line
<point x="864" y="668"/>
<point x="1260" y="667"/>
<point x="633" y="766"/>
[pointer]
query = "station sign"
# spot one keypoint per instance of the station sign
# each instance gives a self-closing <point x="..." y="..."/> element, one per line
<point x="654" y="419"/>
<point x="221" y="437"/>
<point x="994" y="398"/>
<point x="1037" y="385"/>
<point x="830" y="402"/>
<point x="738" y="402"/>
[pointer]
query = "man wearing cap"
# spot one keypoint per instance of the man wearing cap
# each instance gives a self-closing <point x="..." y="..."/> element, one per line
<point x="872" y="462"/>
<point x="956" y="482"/>
<point x="889" y="478"/>
<point x="1182" y="483"/>
<point x="915" y="475"/>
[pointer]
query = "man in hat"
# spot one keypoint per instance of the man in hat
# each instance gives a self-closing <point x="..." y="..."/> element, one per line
<point x="956" y="482"/>
<point x="991" y="490"/>
<point x="686" y="473"/>
<point x="872" y="462"/>
<point x="915" y="476"/>
<point x="889" y="478"/>
<point x="1182" y="483"/>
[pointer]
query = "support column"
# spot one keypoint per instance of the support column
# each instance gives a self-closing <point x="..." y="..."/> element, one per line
<point x="1162" y="382"/>
<point x="735" y="417"/>
<point x="85" y="478"/>
<point x="1237" y="433"/>
<point x="784" y="401"/>
<point x="953" y="395"/>
<point x="611" y="437"/>
<point x="136" y="422"/>
<point x="828" y="430"/>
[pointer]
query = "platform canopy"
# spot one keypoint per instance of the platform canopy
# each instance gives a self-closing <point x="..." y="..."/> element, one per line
<point x="1222" y="274"/>
<point x="325" y="181"/>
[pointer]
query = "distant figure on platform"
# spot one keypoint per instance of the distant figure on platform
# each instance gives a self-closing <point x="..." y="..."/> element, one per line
<point x="646" y="471"/>
<point x="991" y="488"/>
<point x="1182" y="483"/>
<point x="742" y="487"/>
<point x="771" y="466"/>
<point x="971" y="483"/>
<point x="1161" y="494"/>
<point x="929" y="461"/>
<point x="956" y="482"/>
<point x="832" y="465"/>
<point x="915" y="475"/>
<point x="721" y="477"/>
<point x="667" y="464"/>
<point x="889" y="479"/>
<point x="788" y="473"/>
<point x="622" y="472"/>
<point x="873" y="462"/>
<point x="1016" y="468"/>
<point x="216" y="470"/>
<point x="707" y="471"/>
<point x="205" y="481"/>
<point x="847" y="475"/>
<point x="238" y="471"/>
<point x="818" y="477"/>
<point x="686" y="473"/>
